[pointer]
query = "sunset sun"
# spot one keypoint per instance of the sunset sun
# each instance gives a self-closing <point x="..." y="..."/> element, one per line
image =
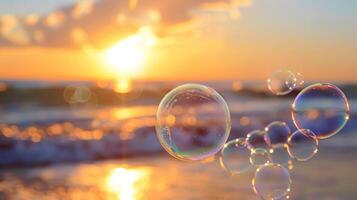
<point x="127" y="57"/>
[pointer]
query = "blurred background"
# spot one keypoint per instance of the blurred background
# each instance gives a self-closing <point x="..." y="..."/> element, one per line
<point x="80" y="83"/>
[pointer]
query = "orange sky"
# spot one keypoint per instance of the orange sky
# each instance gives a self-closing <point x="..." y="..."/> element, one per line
<point x="247" y="44"/>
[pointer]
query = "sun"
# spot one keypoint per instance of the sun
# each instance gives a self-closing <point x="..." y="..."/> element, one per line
<point x="127" y="57"/>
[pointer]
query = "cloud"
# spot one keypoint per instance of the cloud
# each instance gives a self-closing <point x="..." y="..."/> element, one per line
<point x="100" y="23"/>
<point x="82" y="8"/>
<point x="12" y="31"/>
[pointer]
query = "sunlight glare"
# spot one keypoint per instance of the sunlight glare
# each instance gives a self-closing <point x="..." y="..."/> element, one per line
<point x="127" y="183"/>
<point x="128" y="56"/>
<point x="123" y="86"/>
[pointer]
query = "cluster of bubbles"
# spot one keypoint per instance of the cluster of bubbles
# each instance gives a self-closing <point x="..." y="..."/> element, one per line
<point x="193" y="123"/>
<point x="268" y="151"/>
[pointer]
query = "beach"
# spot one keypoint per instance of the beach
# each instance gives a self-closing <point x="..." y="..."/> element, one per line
<point x="328" y="176"/>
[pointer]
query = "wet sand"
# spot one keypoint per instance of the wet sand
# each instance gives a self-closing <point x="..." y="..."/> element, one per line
<point x="331" y="175"/>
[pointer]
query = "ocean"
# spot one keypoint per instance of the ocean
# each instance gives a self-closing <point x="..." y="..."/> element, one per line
<point x="106" y="147"/>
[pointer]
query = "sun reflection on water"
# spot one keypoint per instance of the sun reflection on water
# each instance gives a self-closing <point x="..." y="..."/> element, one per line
<point x="123" y="86"/>
<point x="128" y="184"/>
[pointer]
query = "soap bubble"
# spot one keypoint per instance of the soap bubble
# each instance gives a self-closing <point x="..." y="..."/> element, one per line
<point x="257" y="139"/>
<point x="280" y="155"/>
<point x="281" y="82"/>
<point x="193" y="122"/>
<point x="278" y="133"/>
<point x="322" y="108"/>
<point x="259" y="157"/>
<point x="299" y="79"/>
<point x="272" y="181"/>
<point x="290" y="165"/>
<point x="235" y="156"/>
<point x="80" y="97"/>
<point x="77" y="94"/>
<point x="302" y="145"/>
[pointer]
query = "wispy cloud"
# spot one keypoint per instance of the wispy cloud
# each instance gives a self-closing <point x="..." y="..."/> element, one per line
<point x="102" y="22"/>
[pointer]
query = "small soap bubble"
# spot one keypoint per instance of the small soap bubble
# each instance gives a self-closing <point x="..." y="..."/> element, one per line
<point x="77" y="94"/>
<point x="257" y="139"/>
<point x="278" y="133"/>
<point x="280" y="154"/>
<point x="299" y="79"/>
<point x="322" y="108"/>
<point x="281" y="82"/>
<point x="259" y="157"/>
<point x="272" y="181"/>
<point x="235" y="156"/>
<point x="193" y="122"/>
<point x="302" y="145"/>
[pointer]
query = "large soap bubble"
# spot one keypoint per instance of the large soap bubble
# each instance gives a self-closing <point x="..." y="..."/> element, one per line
<point x="193" y="122"/>
<point x="322" y="108"/>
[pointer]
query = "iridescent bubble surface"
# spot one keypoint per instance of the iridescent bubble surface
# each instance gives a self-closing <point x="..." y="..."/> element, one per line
<point x="272" y="181"/>
<point x="193" y="122"/>
<point x="235" y="156"/>
<point x="302" y="145"/>
<point x="257" y="139"/>
<point x="259" y="157"/>
<point x="299" y="79"/>
<point x="278" y="133"/>
<point x="279" y="154"/>
<point x="77" y="94"/>
<point x="322" y="108"/>
<point x="281" y="82"/>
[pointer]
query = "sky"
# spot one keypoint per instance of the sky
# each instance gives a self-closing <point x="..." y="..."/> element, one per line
<point x="24" y="7"/>
<point x="178" y="40"/>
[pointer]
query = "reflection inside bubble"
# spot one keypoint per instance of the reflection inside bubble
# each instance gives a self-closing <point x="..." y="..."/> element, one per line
<point x="322" y="108"/>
